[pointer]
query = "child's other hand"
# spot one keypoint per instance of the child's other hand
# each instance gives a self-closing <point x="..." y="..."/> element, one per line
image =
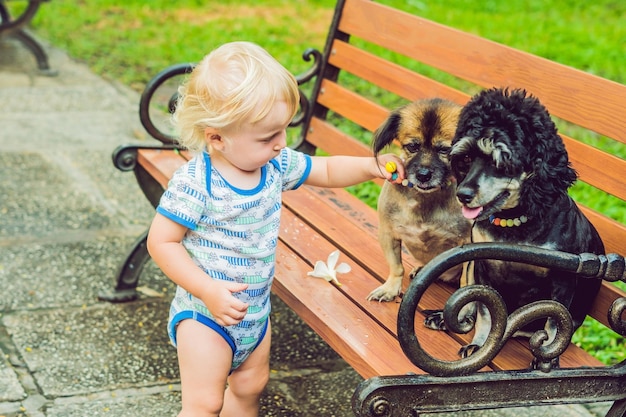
<point x="390" y="164"/>
<point x="226" y="309"/>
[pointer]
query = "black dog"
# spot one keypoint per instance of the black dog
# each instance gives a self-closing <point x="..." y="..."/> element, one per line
<point x="513" y="174"/>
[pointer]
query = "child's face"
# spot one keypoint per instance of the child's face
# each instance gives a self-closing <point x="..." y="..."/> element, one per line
<point x="254" y="144"/>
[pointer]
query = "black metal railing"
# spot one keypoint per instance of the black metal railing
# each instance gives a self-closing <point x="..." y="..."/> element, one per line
<point x="456" y="385"/>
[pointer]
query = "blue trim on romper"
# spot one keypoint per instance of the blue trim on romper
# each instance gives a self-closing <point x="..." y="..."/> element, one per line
<point x="188" y="314"/>
<point x="252" y="191"/>
<point x="306" y="172"/>
<point x="262" y="336"/>
<point x="175" y="218"/>
<point x="210" y="323"/>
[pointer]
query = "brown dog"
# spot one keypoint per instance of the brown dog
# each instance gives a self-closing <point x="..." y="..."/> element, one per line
<point x="424" y="214"/>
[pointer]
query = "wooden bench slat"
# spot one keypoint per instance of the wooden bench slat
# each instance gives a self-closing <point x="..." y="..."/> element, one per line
<point x="390" y="76"/>
<point x="328" y="210"/>
<point x="354" y="285"/>
<point x="346" y="328"/>
<point x="357" y="284"/>
<point x="585" y="99"/>
<point x="160" y="163"/>
<point x="612" y="232"/>
<point x="352" y="106"/>
<point x="607" y="295"/>
<point x="353" y="210"/>
<point x="346" y="236"/>
<point x="333" y="141"/>
<point x="598" y="168"/>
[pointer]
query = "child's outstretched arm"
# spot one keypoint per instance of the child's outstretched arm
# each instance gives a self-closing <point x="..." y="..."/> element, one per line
<point x="343" y="171"/>
<point x="165" y="247"/>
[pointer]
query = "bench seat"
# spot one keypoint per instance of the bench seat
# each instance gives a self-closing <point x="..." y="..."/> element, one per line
<point x="317" y="221"/>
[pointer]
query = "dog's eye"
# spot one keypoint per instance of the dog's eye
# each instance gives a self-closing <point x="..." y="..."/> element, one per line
<point x="461" y="167"/>
<point x="412" y="147"/>
<point x="464" y="161"/>
<point x="444" y="150"/>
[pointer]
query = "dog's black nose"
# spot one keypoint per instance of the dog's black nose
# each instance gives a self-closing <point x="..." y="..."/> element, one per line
<point x="465" y="194"/>
<point x="424" y="175"/>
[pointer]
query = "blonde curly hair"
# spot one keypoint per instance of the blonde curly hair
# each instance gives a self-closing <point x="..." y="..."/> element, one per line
<point x="237" y="83"/>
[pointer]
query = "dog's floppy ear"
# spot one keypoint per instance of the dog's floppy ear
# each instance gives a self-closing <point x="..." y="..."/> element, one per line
<point x="552" y="173"/>
<point x="551" y="167"/>
<point x="387" y="132"/>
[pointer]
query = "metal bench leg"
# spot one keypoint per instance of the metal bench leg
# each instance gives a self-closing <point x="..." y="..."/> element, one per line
<point x="37" y="50"/>
<point x="128" y="275"/>
<point x="618" y="409"/>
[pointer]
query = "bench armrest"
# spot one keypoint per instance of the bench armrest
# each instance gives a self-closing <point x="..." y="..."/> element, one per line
<point x="611" y="267"/>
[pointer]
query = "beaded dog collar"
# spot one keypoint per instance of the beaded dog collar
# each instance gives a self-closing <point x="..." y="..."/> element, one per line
<point x="518" y="221"/>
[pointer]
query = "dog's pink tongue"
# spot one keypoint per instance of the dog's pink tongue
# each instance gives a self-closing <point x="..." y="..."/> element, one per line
<point x="471" y="213"/>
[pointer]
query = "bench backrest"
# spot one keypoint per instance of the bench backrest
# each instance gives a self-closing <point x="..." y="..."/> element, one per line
<point x="357" y="60"/>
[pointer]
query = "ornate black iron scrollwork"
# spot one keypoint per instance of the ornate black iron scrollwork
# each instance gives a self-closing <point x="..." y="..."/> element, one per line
<point x="380" y="407"/>
<point x="502" y="329"/>
<point x="8" y="25"/>
<point x="616" y="312"/>
<point x="125" y="156"/>
<point x="610" y="267"/>
<point x="304" y="78"/>
<point x="15" y="27"/>
<point x="615" y="270"/>
<point x="148" y="93"/>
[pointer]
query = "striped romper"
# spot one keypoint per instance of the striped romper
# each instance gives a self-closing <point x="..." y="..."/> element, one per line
<point x="232" y="235"/>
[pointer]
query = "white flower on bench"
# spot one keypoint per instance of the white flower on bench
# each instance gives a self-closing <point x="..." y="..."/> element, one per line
<point x="328" y="271"/>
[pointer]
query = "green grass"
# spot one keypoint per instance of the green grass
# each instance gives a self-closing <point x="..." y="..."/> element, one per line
<point x="131" y="41"/>
<point x="605" y="345"/>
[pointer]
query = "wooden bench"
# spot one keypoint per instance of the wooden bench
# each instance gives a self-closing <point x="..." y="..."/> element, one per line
<point x="14" y="27"/>
<point x="363" y="53"/>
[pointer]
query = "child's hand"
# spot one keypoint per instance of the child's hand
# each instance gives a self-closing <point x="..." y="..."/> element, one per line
<point x="391" y="168"/>
<point x="226" y="309"/>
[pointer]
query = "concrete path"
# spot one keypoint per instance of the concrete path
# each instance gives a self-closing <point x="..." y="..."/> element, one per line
<point x="67" y="218"/>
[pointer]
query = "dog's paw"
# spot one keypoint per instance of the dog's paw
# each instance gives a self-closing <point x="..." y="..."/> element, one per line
<point x="468" y="350"/>
<point x="380" y="294"/>
<point x="386" y="292"/>
<point x="414" y="272"/>
<point x="434" y="320"/>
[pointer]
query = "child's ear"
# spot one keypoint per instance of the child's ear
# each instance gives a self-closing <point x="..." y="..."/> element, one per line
<point x="213" y="138"/>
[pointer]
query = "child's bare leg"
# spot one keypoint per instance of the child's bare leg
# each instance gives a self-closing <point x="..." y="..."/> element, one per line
<point x="204" y="359"/>
<point x="246" y="383"/>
